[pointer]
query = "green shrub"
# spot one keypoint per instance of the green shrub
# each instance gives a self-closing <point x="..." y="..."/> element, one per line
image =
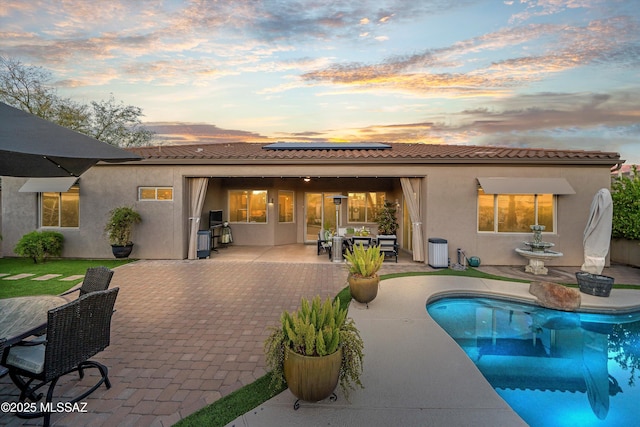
<point x="625" y="193"/>
<point x="39" y="245"/>
<point x="119" y="227"/>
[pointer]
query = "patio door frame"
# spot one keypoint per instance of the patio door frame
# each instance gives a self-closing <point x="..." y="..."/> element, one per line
<point x="326" y="200"/>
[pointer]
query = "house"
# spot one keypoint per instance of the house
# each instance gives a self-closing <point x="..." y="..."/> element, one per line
<point x="480" y="199"/>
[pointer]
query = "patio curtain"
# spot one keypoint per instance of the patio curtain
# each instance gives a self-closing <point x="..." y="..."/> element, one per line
<point x="197" y="192"/>
<point x="411" y="191"/>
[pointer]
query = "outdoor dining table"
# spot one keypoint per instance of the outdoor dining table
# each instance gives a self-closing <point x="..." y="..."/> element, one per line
<point x="21" y="317"/>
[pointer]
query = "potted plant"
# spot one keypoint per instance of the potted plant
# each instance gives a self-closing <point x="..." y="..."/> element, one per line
<point x="313" y="349"/>
<point x="363" y="267"/>
<point x="386" y="219"/>
<point x="119" y="228"/>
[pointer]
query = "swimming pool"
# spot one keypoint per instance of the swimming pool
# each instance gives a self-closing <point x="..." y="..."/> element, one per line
<point x="553" y="368"/>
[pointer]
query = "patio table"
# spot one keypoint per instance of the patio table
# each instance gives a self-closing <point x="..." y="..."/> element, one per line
<point x="24" y="316"/>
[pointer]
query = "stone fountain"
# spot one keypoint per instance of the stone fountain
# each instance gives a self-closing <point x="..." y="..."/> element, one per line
<point x="537" y="252"/>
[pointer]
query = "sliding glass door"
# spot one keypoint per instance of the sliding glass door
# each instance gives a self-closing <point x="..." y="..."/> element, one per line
<point x="320" y="213"/>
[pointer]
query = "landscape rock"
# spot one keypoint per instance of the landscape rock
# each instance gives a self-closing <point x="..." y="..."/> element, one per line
<point x="556" y="296"/>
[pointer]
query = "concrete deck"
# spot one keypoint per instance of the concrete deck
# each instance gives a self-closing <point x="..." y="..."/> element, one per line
<point x="186" y="333"/>
<point x="414" y="373"/>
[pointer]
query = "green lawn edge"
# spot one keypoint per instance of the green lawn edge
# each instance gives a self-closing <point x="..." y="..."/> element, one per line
<point x="65" y="267"/>
<point x="244" y="400"/>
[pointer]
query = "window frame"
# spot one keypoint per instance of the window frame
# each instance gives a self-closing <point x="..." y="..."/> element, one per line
<point x="292" y="194"/>
<point x="156" y="189"/>
<point x="373" y="209"/>
<point x="248" y="205"/>
<point x="41" y="208"/>
<point x="536" y="213"/>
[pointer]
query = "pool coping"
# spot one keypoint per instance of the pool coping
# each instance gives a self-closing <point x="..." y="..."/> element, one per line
<point x="414" y="372"/>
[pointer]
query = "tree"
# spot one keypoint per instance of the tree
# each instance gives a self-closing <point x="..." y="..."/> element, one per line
<point x="118" y="124"/>
<point x="625" y="193"/>
<point x="25" y="87"/>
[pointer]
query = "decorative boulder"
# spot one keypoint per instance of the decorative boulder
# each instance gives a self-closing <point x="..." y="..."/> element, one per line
<point x="556" y="296"/>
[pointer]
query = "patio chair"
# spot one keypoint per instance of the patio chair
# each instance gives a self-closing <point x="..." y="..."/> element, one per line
<point x="365" y="241"/>
<point x="3" y="370"/>
<point x="388" y="246"/>
<point x="95" y="279"/>
<point x="324" y="242"/>
<point x="76" y="332"/>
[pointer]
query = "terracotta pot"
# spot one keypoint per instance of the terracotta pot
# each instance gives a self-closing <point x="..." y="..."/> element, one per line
<point x="312" y="378"/>
<point x="363" y="289"/>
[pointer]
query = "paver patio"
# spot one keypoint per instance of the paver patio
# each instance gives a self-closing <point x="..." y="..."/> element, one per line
<point x="186" y="333"/>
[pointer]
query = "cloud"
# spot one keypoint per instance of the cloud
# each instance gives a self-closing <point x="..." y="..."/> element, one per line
<point x="562" y="48"/>
<point x="553" y="111"/>
<point x="174" y="133"/>
<point x="537" y="8"/>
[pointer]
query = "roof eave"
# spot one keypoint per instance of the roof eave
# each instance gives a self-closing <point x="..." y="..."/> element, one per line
<point x="341" y="161"/>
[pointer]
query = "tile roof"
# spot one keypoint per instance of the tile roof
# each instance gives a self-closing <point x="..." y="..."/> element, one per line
<point x="243" y="152"/>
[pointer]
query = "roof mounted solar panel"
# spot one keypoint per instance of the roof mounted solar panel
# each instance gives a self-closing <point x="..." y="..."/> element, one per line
<point x="327" y="146"/>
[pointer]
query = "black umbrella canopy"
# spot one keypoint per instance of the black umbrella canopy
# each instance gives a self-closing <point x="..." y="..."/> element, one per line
<point x="34" y="147"/>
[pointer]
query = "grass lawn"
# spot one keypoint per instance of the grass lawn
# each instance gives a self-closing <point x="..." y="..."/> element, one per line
<point x="54" y="286"/>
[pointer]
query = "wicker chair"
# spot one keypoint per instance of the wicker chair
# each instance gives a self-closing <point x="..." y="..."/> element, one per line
<point x="95" y="279"/>
<point x="76" y="331"/>
<point x="3" y="370"/>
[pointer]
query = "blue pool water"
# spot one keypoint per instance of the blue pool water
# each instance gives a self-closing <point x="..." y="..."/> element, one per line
<point x="553" y="368"/>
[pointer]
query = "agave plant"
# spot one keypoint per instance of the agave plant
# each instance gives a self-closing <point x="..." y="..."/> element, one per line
<point x="316" y="329"/>
<point x="364" y="262"/>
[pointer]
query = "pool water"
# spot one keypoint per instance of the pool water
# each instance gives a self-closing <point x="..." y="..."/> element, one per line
<point x="553" y="368"/>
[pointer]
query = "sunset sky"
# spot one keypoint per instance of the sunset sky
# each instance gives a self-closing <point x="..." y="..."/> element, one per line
<point x="523" y="73"/>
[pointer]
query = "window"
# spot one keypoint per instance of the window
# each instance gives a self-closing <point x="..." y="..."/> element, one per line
<point x="363" y="207"/>
<point x="514" y="213"/>
<point x="285" y="206"/>
<point x="60" y="209"/>
<point x="155" y="193"/>
<point x="248" y="206"/>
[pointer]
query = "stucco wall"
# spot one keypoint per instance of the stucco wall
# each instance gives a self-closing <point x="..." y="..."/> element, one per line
<point x="451" y="212"/>
<point x="101" y="189"/>
<point x="448" y="205"/>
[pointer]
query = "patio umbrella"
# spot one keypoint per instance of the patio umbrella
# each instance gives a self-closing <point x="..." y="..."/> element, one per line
<point x="34" y="147"/>
<point x="597" y="233"/>
<point x="596" y="374"/>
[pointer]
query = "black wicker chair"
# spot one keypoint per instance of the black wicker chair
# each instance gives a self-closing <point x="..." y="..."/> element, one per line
<point x="76" y="332"/>
<point x="95" y="279"/>
<point x="3" y="370"/>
